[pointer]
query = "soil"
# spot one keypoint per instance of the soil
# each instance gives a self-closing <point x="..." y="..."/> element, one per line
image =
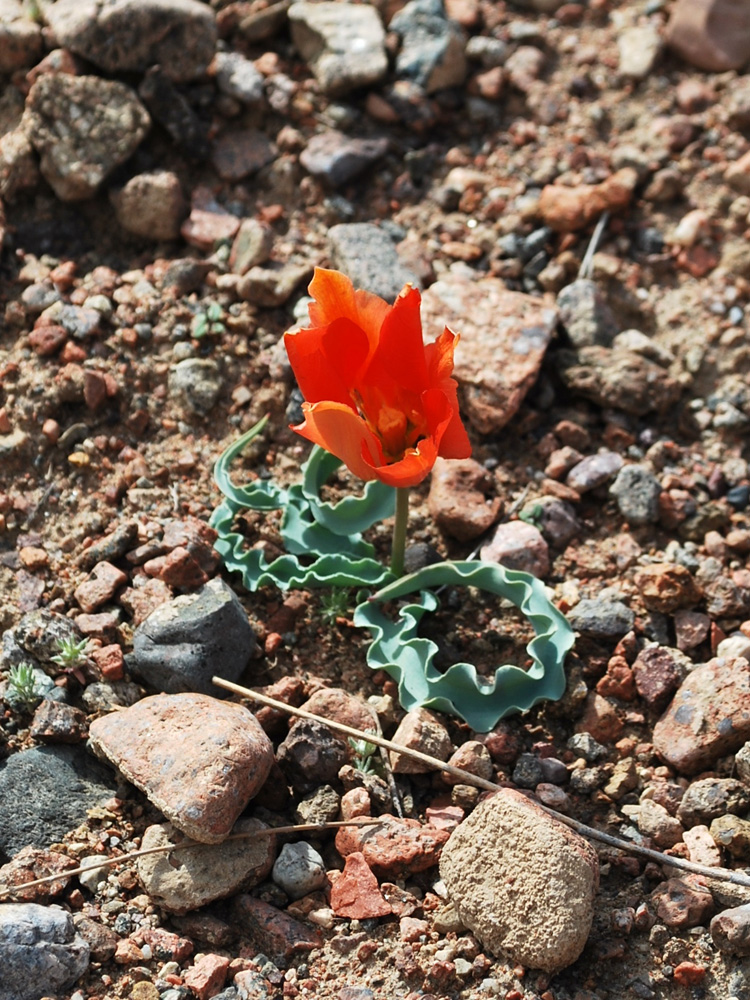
<point x="79" y="471"/>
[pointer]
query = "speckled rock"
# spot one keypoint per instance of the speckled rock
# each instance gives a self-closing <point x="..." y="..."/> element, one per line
<point x="637" y="490"/>
<point x="197" y="759"/>
<point x="395" y="848"/>
<point x="83" y="127"/>
<point x="618" y="378"/>
<point x="504" y="336"/>
<point x="657" y="673"/>
<point x="730" y="930"/>
<point x="732" y="833"/>
<point x="40" y="951"/>
<point x="585" y="314"/>
<point x="367" y="254"/>
<point x="299" y="869"/>
<point x="666" y="587"/>
<point x="710" y="798"/>
<point x="311" y="755"/>
<point x="20" y="37"/>
<point x="601" y="619"/>
<point x="187" y="880"/>
<point x="337" y="158"/>
<point x="128" y="36"/>
<point x="518" y="545"/>
<point x="237" y="77"/>
<point x="655" y="823"/>
<point x="420" y="730"/>
<point x="593" y="471"/>
<point x="340" y="706"/>
<point x="683" y="902"/>
<point x="432" y="46"/>
<point x="151" y="205"/>
<point x="532" y="901"/>
<point x="196" y="383"/>
<point x="344" y="45"/>
<point x="708" y="717"/>
<point x="460" y="500"/>
<point x="272" y="931"/>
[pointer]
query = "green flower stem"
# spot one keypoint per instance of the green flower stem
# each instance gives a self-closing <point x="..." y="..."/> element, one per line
<point x="399" y="531"/>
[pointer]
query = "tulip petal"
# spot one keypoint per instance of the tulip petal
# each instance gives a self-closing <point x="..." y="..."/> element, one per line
<point x="327" y="361"/>
<point x="339" y="430"/>
<point x="399" y="358"/>
<point x="439" y="356"/>
<point x="454" y="442"/>
<point x="335" y="298"/>
<point x="412" y="468"/>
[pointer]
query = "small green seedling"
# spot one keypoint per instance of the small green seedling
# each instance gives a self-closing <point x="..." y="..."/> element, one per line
<point x="334" y="604"/>
<point x="71" y="654"/>
<point x="208" y="322"/>
<point x="22" y="686"/>
<point x="364" y="752"/>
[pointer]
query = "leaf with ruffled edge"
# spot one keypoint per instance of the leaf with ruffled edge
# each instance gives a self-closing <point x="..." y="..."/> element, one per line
<point x="397" y="649"/>
<point x="340" y="558"/>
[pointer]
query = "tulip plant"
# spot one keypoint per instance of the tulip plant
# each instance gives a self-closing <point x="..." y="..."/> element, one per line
<point x="384" y="404"/>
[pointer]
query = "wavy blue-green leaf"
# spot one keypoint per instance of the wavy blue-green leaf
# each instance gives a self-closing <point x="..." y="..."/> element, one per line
<point x="261" y="494"/>
<point x="352" y="514"/>
<point x="409" y="659"/>
<point x="335" y="569"/>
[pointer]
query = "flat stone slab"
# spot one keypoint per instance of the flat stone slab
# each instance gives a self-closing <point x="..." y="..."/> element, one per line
<point x="504" y="336"/>
<point x="199" y="760"/>
<point x="708" y="718"/>
<point x="522" y="882"/>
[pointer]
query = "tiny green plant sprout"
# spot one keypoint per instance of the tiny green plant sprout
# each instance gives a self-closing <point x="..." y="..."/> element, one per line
<point x="384" y="404"/>
<point x="208" y="322"/>
<point x="71" y="654"/>
<point x="22" y="690"/>
<point x="364" y="754"/>
<point x="334" y="604"/>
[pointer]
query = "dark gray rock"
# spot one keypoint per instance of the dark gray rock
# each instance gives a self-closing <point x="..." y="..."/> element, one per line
<point x="528" y="771"/>
<point x="710" y="798"/>
<point x="40" y="951"/>
<point x="45" y="792"/>
<point x="637" y="490"/>
<point x="310" y="755"/>
<point x="601" y="619"/>
<point x="183" y="643"/>
<point x="366" y="253"/>
<point x="432" y="47"/>
<point x="585" y="314"/>
<point x="335" y="158"/>
<point x="587" y="747"/>
<point x="196" y="383"/>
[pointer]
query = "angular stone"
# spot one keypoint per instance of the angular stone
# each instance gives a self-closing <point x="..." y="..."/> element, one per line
<point x="34" y="863"/>
<point x="83" y="127"/>
<point x="710" y="798"/>
<point x="594" y="471"/>
<point x="683" y="902"/>
<point x="344" y="44"/>
<point x="40" y="951"/>
<point x="18" y="167"/>
<point x="184" y="643"/>
<point x="522" y="882"/>
<point x="196" y="383"/>
<point x="504" y="336"/>
<point x="395" y="848"/>
<point x="518" y="545"/>
<point x="657" y="675"/>
<point x="128" y="36"/>
<point x="355" y="893"/>
<point x="272" y="931"/>
<point x="618" y="378"/>
<point x="186" y="880"/>
<point x="336" y="158"/>
<point x="420" y="730"/>
<point x="666" y="587"/>
<point x="708" y="717"/>
<point x="568" y="209"/>
<point x="340" y="706"/>
<point x="101" y="585"/>
<point x="151" y="205"/>
<point x="432" y="46"/>
<point x="272" y="285"/>
<point x="237" y="77"/>
<point x="655" y="823"/>
<point x="252" y="245"/>
<point x="367" y="254"/>
<point x="585" y="314"/>
<point x="199" y="760"/>
<point x="238" y="154"/>
<point x="461" y="499"/>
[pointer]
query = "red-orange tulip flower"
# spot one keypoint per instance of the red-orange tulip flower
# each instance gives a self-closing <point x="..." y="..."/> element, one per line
<point x="376" y="396"/>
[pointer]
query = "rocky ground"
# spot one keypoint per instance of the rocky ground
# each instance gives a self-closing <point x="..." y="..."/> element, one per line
<point x="171" y="172"/>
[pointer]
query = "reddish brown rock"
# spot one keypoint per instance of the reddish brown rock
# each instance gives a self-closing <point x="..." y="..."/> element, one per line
<point x="711" y="34"/>
<point x="272" y="931"/>
<point x="518" y="545"/>
<point x="355" y="893"/>
<point x="395" y="848"/>
<point x="56" y="722"/>
<point x="110" y="662"/>
<point x="238" y="154"/>
<point x="197" y="759"/>
<point x="708" y="717"/>
<point x="47" y="340"/>
<point x="683" y="902"/>
<point x="730" y="930"/>
<point x="30" y="864"/>
<point x="473" y="757"/>
<point x="618" y="682"/>
<point x="666" y="587"/>
<point x="143" y="598"/>
<point x="691" y="629"/>
<point x="600" y="718"/>
<point x="504" y="336"/>
<point x="420" y="730"/>
<point x="207" y="976"/>
<point x="568" y="209"/>
<point x="461" y="499"/>
<point x="164" y="945"/>
<point x="657" y="675"/>
<point x="101" y="586"/>
<point x="340" y="706"/>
